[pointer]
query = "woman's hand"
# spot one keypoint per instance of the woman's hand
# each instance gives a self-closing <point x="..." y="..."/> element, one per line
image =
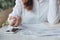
<point x="18" y="21"/>
<point x="12" y="20"/>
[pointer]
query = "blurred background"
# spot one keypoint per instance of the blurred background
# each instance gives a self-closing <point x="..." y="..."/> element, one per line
<point x="5" y="8"/>
<point x="4" y="4"/>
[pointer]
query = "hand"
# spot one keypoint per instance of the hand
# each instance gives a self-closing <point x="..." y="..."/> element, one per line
<point x="18" y="21"/>
<point x="12" y="20"/>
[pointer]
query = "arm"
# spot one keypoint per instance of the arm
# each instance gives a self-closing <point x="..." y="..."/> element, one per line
<point x="53" y="12"/>
<point x="18" y="21"/>
<point x="17" y="9"/>
<point x="16" y="12"/>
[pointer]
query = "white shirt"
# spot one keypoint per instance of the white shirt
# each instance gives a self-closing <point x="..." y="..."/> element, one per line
<point x="45" y="10"/>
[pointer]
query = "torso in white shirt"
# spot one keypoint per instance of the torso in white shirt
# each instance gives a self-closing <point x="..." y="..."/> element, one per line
<point x="38" y="14"/>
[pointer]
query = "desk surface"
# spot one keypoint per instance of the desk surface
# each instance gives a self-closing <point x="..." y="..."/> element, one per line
<point x="43" y="31"/>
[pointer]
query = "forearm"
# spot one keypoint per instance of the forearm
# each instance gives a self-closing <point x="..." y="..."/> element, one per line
<point x="18" y="21"/>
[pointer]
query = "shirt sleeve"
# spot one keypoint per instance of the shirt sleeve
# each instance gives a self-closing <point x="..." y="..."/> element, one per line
<point x="53" y="17"/>
<point x="17" y="9"/>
